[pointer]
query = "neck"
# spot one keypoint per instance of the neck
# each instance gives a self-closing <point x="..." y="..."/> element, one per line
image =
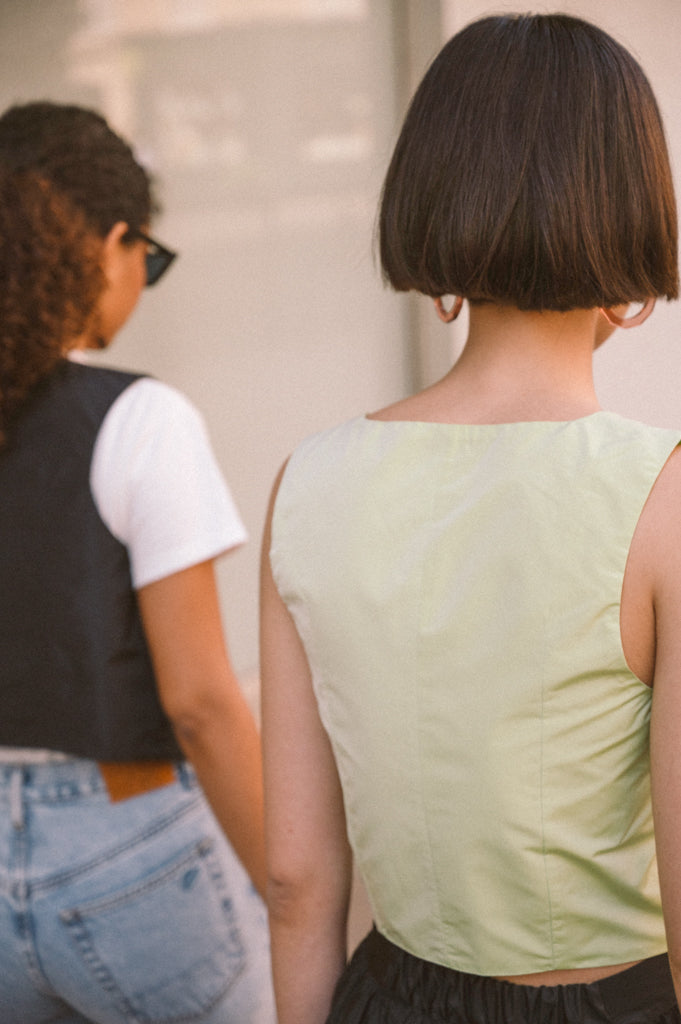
<point x="525" y="365"/>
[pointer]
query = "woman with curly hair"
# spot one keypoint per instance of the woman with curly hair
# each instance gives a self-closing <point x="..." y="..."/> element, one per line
<point x="131" y="842"/>
<point x="471" y="599"/>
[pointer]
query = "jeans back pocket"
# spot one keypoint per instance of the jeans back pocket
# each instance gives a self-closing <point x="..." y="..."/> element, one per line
<point x="167" y="948"/>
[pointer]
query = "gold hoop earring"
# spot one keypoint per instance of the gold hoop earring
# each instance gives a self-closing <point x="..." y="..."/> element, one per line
<point x="628" y="321"/>
<point x="447" y="315"/>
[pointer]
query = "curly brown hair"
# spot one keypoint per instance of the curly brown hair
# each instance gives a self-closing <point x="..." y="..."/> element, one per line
<point x="65" y="179"/>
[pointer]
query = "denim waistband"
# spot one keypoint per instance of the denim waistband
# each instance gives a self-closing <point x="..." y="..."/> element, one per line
<point x="31" y="755"/>
<point x="52" y="782"/>
<point x="644" y="993"/>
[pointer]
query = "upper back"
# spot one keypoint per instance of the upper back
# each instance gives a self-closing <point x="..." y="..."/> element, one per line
<point x="457" y="590"/>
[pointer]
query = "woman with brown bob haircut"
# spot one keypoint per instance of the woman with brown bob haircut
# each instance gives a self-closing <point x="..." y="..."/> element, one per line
<point x="131" y="833"/>
<point x="532" y="171"/>
<point x="471" y="599"/>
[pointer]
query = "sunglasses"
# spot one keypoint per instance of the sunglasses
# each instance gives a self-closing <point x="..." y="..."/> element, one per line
<point x="158" y="258"/>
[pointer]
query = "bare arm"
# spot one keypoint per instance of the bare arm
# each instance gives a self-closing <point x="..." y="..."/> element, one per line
<point x="308" y="857"/>
<point x="202" y="698"/>
<point x="666" y="779"/>
<point x="664" y="545"/>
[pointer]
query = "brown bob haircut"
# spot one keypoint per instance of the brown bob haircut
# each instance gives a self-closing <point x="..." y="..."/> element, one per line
<point x="532" y="170"/>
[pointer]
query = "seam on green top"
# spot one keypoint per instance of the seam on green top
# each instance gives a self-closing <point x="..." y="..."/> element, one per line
<point x="543" y="828"/>
<point x="436" y="894"/>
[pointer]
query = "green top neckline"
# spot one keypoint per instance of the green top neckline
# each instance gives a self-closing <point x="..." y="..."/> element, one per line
<point x="368" y="418"/>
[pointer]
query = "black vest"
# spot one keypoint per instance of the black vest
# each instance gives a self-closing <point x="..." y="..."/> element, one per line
<point x="75" y="671"/>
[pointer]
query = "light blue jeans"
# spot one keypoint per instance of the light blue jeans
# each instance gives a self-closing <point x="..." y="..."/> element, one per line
<point x="136" y="911"/>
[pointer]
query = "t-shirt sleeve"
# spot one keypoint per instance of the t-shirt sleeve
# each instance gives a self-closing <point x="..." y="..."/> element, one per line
<point x="157" y="486"/>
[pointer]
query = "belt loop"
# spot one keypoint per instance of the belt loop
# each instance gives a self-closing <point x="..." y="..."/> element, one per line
<point x="16" y="804"/>
<point x="185" y="775"/>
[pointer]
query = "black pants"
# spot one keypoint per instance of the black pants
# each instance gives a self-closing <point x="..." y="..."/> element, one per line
<point x="383" y="984"/>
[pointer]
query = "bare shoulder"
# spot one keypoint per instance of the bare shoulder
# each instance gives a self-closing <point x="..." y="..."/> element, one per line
<point x="402" y="410"/>
<point x="652" y="580"/>
<point x="433" y="404"/>
<point x="661" y="517"/>
<point x="658" y="536"/>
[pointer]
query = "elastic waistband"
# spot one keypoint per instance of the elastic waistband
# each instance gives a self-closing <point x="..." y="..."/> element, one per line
<point x="639" y="994"/>
<point x="638" y="988"/>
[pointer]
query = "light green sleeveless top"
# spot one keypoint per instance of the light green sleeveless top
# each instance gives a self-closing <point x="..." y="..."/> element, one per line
<point x="457" y="592"/>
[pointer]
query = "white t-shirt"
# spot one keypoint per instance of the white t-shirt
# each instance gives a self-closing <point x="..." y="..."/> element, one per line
<point x="157" y="485"/>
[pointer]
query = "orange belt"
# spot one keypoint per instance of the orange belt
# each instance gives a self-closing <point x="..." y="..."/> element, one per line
<point x="124" y="779"/>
